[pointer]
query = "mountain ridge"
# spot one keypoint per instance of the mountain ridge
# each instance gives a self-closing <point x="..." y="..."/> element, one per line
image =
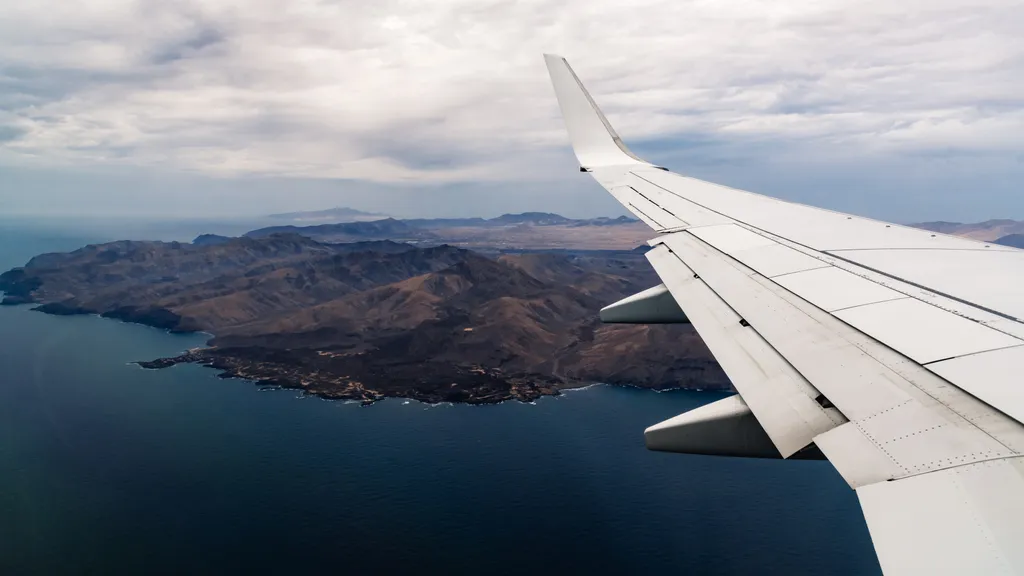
<point x="377" y="318"/>
<point x="525" y="230"/>
<point x="336" y="214"/>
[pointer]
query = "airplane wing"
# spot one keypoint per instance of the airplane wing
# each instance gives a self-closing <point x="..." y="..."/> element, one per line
<point x="895" y="353"/>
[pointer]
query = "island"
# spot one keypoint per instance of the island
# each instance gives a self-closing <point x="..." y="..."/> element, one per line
<point x="367" y="319"/>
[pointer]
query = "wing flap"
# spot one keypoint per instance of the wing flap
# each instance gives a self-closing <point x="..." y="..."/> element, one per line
<point x="813" y="348"/>
<point x="890" y="413"/>
<point x="781" y="399"/>
<point x="965" y="520"/>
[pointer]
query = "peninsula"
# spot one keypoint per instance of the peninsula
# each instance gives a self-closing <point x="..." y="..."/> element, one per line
<point x="371" y="319"/>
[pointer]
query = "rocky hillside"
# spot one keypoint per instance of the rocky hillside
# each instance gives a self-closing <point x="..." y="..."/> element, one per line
<point x="372" y="319"/>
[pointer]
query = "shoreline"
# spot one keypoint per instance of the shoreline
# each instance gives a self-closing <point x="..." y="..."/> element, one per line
<point x="555" y="392"/>
<point x="477" y="384"/>
<point x="435" y="383"/>
<point x="368" y="376"/>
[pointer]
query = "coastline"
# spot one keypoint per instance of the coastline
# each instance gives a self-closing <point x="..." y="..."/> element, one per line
<point x="436" y="384"/>
<point x="473" y="385"/>
<point x="367" y="322"/>
<point x="351" y="391"/>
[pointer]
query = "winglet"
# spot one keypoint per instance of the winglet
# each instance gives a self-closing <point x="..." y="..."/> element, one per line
<point x="593" y="139"/>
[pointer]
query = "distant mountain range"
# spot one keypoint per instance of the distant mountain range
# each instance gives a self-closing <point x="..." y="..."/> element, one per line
<point x="527" y="218"/>
<point x="1005" y="232"/>
<point x="330" y="215"/>
<point x="391" y="227"/>
<point x="344" y="215"/>
<point x="529" y="230"/>
<point x="1015" y="240"/>
<point x="386" y="229"/>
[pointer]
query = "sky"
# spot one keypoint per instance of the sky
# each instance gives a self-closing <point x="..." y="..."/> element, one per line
<point x="906" y="111"/>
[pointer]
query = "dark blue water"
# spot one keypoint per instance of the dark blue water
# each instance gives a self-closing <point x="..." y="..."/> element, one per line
<point x="109" y="469"/>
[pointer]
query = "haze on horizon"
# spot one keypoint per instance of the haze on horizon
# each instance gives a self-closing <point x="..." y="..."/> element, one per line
<point x="183" y="108"/>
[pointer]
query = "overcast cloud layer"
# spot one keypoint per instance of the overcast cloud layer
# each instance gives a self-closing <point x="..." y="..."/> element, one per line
<point x="921" y="99"/>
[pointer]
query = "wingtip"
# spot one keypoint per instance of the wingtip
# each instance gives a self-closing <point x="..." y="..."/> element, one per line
<point x="593" y="139"/>
<point x="554" y="60"/>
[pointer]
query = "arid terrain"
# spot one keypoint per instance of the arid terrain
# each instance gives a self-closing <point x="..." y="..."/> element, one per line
<point x="378" y="318"/>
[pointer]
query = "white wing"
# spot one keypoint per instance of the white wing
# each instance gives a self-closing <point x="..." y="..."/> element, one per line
<point x="895" y="352"/>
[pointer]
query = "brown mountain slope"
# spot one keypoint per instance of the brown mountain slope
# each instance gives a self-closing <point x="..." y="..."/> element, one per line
<point x="379" y="319"/>
<point x="211" y="287"/>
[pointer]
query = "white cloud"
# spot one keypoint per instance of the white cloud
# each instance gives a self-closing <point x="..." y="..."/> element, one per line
<point x="456" y="90"/>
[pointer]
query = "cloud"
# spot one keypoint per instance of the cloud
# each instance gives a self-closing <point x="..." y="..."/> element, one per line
<point x="438" y="91"/>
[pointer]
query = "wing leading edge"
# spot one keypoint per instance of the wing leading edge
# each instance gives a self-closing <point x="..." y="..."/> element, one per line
<point x="893" y="351"/>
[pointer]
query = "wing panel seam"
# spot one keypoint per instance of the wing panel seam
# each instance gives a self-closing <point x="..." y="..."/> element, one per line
<point x="631" y="205"/>
<point x="660" y="207"/>
<point x="878" y="445"/>
<point x="851" y="307"/>
<point x="832" y="253"/>
<point x="969" y="355"/>
<point x="932" y="290"/>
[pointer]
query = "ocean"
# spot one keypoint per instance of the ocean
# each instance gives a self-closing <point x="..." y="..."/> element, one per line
<point x="106" y="468"/>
